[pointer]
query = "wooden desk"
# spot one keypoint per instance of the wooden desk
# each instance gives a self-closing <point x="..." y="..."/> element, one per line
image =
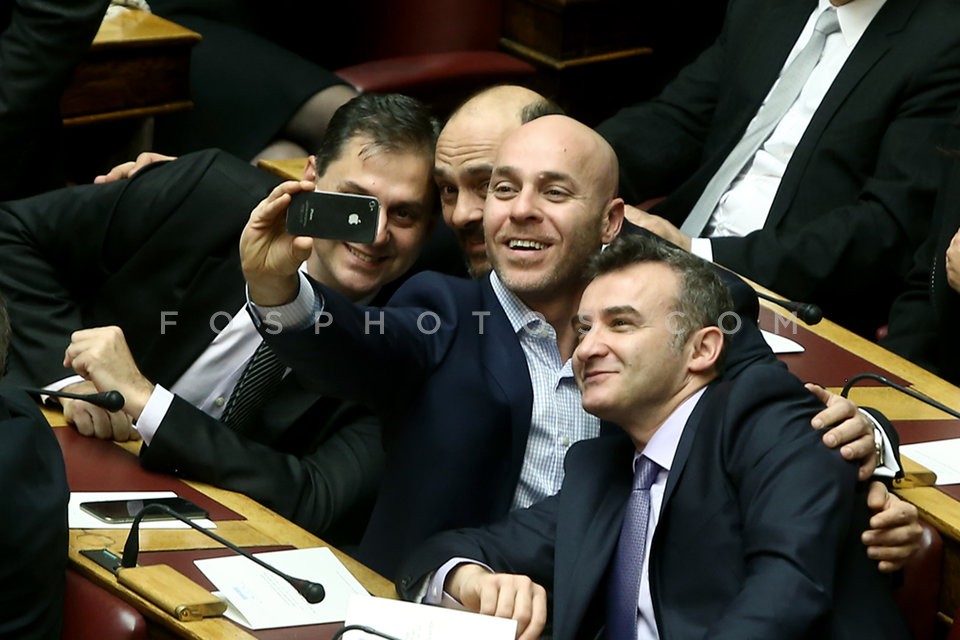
<point x="137" y="66"/>
<point x="290" y="169"/>
<point x="257" y="527"/>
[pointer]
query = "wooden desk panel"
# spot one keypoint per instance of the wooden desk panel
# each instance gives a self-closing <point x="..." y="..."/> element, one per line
<point x="137" y="66"/>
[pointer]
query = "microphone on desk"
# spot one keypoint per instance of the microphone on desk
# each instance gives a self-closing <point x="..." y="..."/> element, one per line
<point x="312" y="592"/>
<point x="806" y="311"/>
<point x="109" y="400"/>
<point x="890" y="383"/>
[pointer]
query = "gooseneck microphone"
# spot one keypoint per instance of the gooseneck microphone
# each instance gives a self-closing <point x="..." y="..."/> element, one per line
<point x="809" y="313"/>
<point x="109" y="400"/>
<point x="890" y="383"/>
<point x="312" y="592"/>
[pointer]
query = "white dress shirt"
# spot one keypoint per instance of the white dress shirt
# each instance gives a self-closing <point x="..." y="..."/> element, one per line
<point x="744" y="207"/>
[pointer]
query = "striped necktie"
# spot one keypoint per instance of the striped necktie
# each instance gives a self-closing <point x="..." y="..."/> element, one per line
<point x="260" y="377"/>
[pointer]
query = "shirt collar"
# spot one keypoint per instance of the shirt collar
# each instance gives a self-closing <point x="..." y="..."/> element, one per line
<point x="854" y="17"/>
<point x="662" y="447"/>
<point x="519" y="314"/>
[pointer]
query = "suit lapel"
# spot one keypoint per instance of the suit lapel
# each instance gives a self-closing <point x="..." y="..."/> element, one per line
<point x="590" y="538"/>
<point x="503" y="358"/>
<point x="686" y="444"/>
<point x="754" y="73"/>
<point x="873" y="45"/>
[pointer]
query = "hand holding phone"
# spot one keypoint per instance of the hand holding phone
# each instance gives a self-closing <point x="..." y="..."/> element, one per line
<point x="336" y="216"/>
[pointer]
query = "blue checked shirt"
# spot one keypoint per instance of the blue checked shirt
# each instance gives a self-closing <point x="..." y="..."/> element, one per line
<point x="558" y="419"/>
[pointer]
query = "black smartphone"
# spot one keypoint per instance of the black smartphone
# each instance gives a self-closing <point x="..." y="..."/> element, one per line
<point x="121" y="511"/>
<point x="336" y="216"/>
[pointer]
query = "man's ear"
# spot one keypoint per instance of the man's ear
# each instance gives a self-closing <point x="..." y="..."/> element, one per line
<point x="706" y="345"/>
<point x="612" y="220"/>
<point x="310" y="169"/>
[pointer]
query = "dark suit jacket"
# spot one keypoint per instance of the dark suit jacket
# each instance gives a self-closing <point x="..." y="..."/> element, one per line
<point x="163" y="247"/>
<point x="40" y="43"/>
<point x="757" y="536"/>
<point x="855" y="200"/>
<point x="924" y="319"/>
<point x="455" y="402"/>
<point x="33" y="538"/>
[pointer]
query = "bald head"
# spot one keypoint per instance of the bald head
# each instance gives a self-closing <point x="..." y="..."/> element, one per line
<point x="501" y="107"/>
<point x="590" y="159"/>
<point x="466" y="149"/>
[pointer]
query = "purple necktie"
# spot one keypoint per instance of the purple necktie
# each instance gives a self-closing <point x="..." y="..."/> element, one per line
<point x="624" y="589"/>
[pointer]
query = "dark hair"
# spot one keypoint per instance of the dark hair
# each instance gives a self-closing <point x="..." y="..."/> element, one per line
<point x="540" y="108"/>
<point x="391" y="121"/>
<point x="4" y="336"/>
<point x="703" y="299"/>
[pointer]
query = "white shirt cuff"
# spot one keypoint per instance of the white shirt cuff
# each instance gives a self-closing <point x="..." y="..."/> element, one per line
<point x="153" y="413"/>
<point x="432" y="590"/>
<point x="299" y="314"/>
<point x="60" y="385"/>
<point x="702" y="248"/>
<point x="890" y="468"/>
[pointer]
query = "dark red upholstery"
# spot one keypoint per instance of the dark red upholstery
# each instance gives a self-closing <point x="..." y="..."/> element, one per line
<point x="392" y="28"/>
<point x="425" y="72"/>
<point x="92" y="613"/>
<point x="918" y="594"/>
<point x="433" y="50"/>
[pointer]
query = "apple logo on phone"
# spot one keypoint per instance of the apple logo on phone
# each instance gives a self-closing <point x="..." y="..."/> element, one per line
<point x="353" y="219"/>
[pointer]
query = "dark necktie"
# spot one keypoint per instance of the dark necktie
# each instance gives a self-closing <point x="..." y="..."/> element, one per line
<point x="260" y="377"/>
<point x="624" y="592"/>
<point x="781" y="98"/>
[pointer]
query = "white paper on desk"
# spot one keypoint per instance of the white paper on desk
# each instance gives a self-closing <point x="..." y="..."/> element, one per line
<point x="266" y="601"/>
<point x="941" y="456"/>
<point x="79" y="519"/>
<point x="781" y="344"/>
<point x="424" y="622"/>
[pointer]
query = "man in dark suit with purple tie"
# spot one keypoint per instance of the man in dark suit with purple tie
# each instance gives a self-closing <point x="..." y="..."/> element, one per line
<point x="712" y="514"/>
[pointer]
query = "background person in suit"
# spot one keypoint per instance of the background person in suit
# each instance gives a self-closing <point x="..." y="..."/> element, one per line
<point x="466" y="149"/>
<point x="41" y="42"/>
<point x="157" y="257"/>
<point x="832" y="206"/>
<point x="924" y="319"/>
<point x="472" y="378"/>
<point x="745" y="525"/>
<point x="33" y="500"/>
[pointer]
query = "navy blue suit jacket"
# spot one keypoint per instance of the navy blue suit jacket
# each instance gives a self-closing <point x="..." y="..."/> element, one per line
<point x="455" y="400"/>
<point x="758" y="535"/>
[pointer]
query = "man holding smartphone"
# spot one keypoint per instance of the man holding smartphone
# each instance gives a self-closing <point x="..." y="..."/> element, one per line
<point x="156" y="258"/>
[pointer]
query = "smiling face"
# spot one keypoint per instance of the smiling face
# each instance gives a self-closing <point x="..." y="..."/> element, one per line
<point x="402" y="181"/>
<point x="551" y="205"/>
<point x="627" y="362"/>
